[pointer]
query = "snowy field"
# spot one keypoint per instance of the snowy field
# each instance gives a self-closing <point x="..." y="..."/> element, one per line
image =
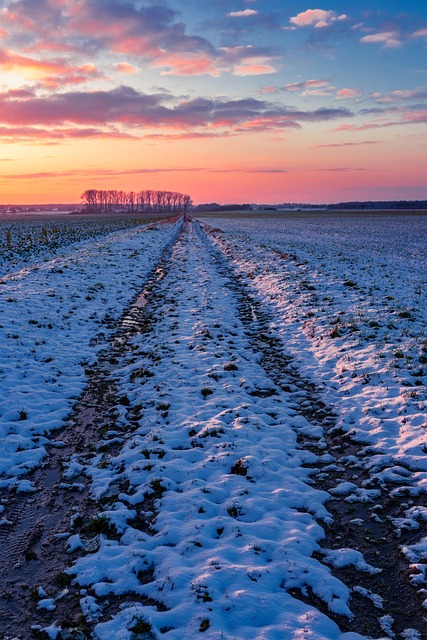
<point x="352" y="292"/>
<point x="214" y="429"/>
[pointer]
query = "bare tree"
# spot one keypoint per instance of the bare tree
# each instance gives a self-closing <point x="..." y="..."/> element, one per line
<point x="145" y="201"/>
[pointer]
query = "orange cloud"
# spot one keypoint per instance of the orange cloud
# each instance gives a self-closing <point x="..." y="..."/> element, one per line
<point x="52" y="74"/>
<point x="126" y="67"/>
<point x="187" y="65"/>
<point x="10" y="61"/>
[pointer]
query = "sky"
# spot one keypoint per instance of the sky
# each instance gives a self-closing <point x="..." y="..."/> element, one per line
<point x="228" y="100"/>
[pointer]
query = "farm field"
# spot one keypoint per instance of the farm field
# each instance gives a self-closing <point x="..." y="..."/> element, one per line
<point x="214" y="427"/>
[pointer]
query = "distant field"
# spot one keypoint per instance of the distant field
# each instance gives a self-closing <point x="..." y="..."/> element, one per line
<point x="303" y="214"/>
<point x="73" y="215"/>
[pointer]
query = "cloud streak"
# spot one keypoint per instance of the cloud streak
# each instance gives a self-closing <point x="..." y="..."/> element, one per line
<point x="388" y="39"/>
<point x="411" y="117"/>
<point x="345" y="144"/>
<point x="50" y="73"/>
<point x="242" y="14"/>
<point x="101" y="173"/>
<point x="125" y="111"/>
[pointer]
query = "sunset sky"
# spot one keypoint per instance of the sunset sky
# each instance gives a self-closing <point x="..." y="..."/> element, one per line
<point x="227" y="100"/>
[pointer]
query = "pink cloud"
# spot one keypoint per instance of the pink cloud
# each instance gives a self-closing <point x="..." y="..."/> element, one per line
<point x="269" y="90"/>
<point x="346" y="94"/>
<point x="187" y="65"/>
<point x="10" y="61"/>
<point x="389" y="39"/>
<point x="151" y="33"/>
<point x="254" y="66"/>
<point x="318" y="18"/>
<point x="420" y="33"/>
<point x="137" y="46"/>
<point x="360" y="127"/>
<point x="253" y="69"/>
<point x="125" y="111"/>
<point x="400" y="95"/>
<point x="417" y="116"/>
<point x="19" y="134"/>
<point x="239" y="60"/>
<point x="17" y="20"/>
<point x="126" y="67"/>
<point x="72" y="76"/>
<point x="51" y="73"/>
<point x="271" y="123"/>
<point x="148" y="32"/>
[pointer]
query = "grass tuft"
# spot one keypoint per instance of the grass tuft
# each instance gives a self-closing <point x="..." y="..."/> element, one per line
<point x="204" y="625"/>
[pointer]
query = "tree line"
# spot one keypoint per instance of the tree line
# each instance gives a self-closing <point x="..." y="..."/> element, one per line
<point x="360" y="205"/>
<point x="391" y="205"/>
<point x="147" y="201"/>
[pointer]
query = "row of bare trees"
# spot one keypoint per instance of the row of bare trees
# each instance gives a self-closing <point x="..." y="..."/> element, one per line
<point x="147" y="201"/>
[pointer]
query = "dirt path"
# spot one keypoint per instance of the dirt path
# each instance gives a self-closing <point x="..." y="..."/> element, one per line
<point x="153" y="390"/>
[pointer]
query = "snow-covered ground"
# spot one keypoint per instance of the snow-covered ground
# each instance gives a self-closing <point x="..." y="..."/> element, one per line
<point x="349" y="297"/>
<point x="211" y="500"/>
<point x="24" y="242"/>
<point x="52" y="323"/>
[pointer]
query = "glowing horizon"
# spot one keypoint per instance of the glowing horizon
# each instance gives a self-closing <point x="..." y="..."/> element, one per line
<point x="246" y="103"/>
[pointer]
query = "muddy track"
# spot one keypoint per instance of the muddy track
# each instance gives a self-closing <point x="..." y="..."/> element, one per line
<point x="33" y="553"/>
<point x="374" y="534"/>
